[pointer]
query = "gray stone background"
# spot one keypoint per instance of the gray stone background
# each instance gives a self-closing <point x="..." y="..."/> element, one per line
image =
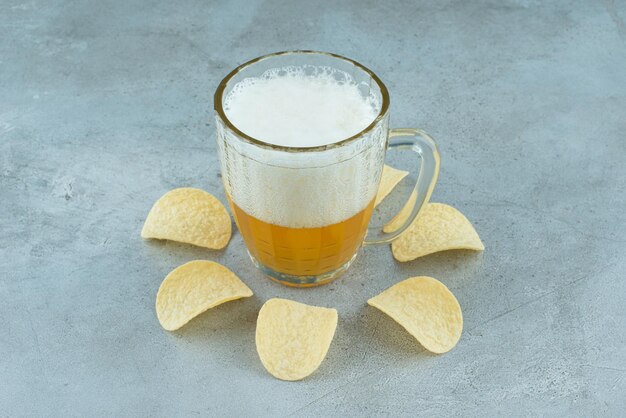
<point x="106" y="105"/>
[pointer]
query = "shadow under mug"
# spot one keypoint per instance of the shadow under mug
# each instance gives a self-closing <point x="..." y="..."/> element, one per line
<point x="304" y="212"/>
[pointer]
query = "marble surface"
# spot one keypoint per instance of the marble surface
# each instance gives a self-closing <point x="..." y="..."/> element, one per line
<point x="106" y="105"/>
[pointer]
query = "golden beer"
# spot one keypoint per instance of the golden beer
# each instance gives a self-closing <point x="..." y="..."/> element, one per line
<point x="303" y="251"/>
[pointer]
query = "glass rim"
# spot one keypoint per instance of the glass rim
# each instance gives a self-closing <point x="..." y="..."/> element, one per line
<point x="219" y="93"/>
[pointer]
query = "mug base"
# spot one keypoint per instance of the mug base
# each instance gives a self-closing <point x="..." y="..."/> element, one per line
<point x="303" y="281"/>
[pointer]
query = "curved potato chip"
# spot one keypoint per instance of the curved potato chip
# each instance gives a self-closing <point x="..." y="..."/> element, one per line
<point x="388" y="180"/>
<point x="189" y="215"/>
<point x="426" y="308"/>
<point x="193" y="288"/>
<point x="292" y="338"/>
<point x="438" y="227"/>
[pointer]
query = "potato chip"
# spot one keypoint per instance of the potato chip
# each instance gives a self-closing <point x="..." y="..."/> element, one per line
<point x="427" y="309"/>
<point x="397" y="221"/>
<point x="189" y="215"/>
<point x="438" y="227"/>
<point x="292" y="338"/>
<point x="389" y="179"/>
<point x="193" y="288"/>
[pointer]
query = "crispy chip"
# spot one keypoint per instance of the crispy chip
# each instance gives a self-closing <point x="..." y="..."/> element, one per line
<point x="189" y="215"/>
<point x="389" y="179"/>
<point x="292" y="338"/>
<point x="397" y="221"/>
<point x="427" y="309"/>
<point x="438" y="227"/>
<point x="193" y="288"/>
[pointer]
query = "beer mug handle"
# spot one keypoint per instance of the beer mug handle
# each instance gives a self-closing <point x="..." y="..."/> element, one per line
<point x="425" y="147"/>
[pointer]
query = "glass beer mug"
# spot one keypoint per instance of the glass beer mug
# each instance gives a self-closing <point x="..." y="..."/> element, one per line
<point x="303" y="209"/>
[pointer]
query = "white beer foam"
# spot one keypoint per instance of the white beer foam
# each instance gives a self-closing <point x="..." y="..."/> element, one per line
<point x="289" y="106"/>
<point x="286" y="106"/>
